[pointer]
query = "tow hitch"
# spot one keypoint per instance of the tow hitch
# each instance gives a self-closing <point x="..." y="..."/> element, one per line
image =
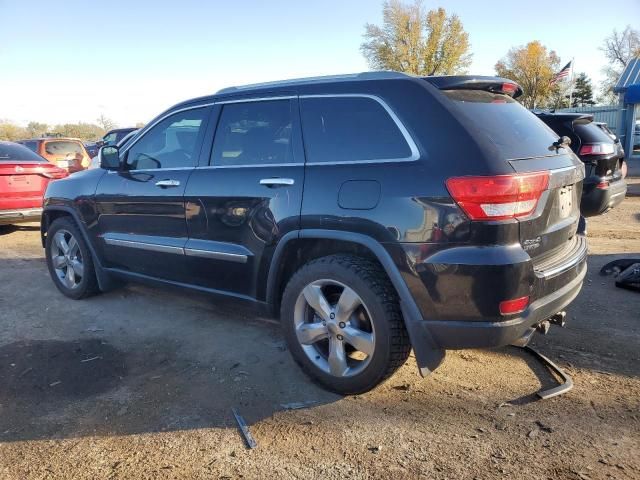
<point x="522" y="342"/>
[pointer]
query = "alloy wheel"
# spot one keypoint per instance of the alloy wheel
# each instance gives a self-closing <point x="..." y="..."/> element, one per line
<point x="334" y="328"/>
<point x="66" y="259"/>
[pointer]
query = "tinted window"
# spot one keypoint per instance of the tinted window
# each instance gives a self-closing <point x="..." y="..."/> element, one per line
<point x="110" y="139"/>
<point x="62" y="147"/>
<point x="591" y="133"/>
<point x="172" y="143"/>
<point x="31" y="145"/>
<point x="514" y="130"/>
<point x="253" y="133"/>
<point x="10" y="152"/>
<point x="339" y="129"/>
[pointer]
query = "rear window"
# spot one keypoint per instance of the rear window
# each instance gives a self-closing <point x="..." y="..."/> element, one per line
<point x="513" y="129"/>
<point x="591" y="133"/>
<point x="348" y="129"/>
<point x="62" y="147"/>
<point x="11" y="152"/>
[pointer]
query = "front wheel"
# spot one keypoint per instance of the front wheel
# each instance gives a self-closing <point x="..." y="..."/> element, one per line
<point x="343" y="325"/>
<point x="69" y="260"/>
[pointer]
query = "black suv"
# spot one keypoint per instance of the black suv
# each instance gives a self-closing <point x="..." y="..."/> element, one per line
<point x="375" y="212"/>
<point x="603" y="156"/>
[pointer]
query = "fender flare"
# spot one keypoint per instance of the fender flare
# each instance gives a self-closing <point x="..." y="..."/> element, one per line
<point x="428" y="353"/>
<point x="105" y="281"/>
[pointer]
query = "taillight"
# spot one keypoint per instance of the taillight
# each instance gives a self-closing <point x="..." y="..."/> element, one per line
<point x="53" y="173"/>
<point x="498" y="197"/>
<point x="517" y="305"/>
<point x="597" y="149"/>
<point x="509" y="88"/>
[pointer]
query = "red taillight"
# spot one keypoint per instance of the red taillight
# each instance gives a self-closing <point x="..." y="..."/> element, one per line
<point x="603" y="185"/>
<point x="517" y="305"/>
<point x="509" y="88"/>
<point x="498" y="197"/>
<point x="597" y="149"/>
<point x="53" y="173"/>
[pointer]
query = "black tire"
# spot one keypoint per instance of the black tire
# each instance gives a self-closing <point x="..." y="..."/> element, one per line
<point x="371" y="284"/>
<point x="87" y="284"/>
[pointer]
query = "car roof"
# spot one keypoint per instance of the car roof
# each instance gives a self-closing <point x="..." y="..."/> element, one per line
<point x="41" y="139"/>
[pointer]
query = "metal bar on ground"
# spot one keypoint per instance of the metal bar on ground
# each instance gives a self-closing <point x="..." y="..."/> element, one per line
<point x="555" y="391"/>
<point x="248" y="438"/>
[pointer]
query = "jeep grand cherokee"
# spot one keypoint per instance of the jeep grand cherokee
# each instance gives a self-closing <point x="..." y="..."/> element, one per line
<point x="375" y="212"/>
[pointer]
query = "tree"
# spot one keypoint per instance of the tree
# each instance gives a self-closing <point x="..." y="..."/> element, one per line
<point x="11" y="132"/>
<point x="37" y="129"/>
<point x="559" y="98"/>
<point x="619" y="48"/>
<point x="582" y="91"/>
<point x="532" y="66"/>
<point x="105" y="122"/>
<point x="415" y="42"/>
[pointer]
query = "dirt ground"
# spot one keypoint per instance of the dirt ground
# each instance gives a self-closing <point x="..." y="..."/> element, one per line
<point x="140" y="383"/>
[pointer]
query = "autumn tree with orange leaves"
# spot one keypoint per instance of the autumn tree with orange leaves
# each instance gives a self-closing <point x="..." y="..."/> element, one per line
<point x="532" y="66"/>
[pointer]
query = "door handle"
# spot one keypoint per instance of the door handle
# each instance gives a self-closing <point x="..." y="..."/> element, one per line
<point x="276" y="182"/>
<point x="168" y="183"/>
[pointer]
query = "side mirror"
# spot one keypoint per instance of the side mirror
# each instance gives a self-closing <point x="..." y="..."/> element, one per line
<point x="109" y="158"/>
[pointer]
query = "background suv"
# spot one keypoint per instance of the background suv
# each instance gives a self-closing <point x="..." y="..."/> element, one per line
<point x="66" y="153"/>
<point x="603" y="156"/>
<point x="375" y="212"/>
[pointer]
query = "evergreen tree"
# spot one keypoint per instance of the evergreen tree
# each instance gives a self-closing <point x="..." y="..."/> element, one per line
<point x="582" y="92"/>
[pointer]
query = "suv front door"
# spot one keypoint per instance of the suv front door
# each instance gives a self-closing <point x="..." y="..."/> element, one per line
<point x="247" y="197"/>
<point x="141" y="222"/>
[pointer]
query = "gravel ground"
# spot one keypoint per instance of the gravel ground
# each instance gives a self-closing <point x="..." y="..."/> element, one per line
<point x="140" y="383"/>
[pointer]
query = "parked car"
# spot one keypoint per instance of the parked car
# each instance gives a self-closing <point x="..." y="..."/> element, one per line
<point x="24" y="176"/>
<point x="604" y="185"/>
<point x="67" y="153"/>
<point x="375" y="213"/>
<point x="112" y="137"/>
<point x="95" y="161"/>
<point x="605" y="128"/>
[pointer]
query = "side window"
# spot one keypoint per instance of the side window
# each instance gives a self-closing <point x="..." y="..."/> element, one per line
<point x="172" y="143"/>
<point x="253" y="133"/>
<point x="346" y="129"/>
<point x="33" y="146"/>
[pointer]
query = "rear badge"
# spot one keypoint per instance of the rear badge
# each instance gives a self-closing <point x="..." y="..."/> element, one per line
<point x="531" y="244"/>
<point x="19" y="169"/>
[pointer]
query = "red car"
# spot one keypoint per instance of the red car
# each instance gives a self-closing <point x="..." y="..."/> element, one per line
<point x="24" y="176"/>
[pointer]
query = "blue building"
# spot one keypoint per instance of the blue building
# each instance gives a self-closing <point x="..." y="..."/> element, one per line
<point x="628" y="90"/>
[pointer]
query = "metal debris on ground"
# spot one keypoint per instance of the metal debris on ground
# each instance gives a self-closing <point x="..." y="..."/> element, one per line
<point x="248" y="438"/>
<point x="626" y="271"/>
<point x="297" y="405"/>
<point x="560" y="389"/>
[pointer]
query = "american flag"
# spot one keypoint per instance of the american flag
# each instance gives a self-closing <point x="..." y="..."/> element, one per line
<point x="562" y="73"/>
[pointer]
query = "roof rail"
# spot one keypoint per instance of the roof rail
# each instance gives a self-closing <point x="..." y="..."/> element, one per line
<point x="380" y="75"/>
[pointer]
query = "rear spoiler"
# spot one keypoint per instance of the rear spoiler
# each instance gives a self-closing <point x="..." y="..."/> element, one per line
<point x="468" y="82"/>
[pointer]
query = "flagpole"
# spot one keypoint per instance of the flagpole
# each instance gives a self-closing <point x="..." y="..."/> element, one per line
<point x="571" y="82"/>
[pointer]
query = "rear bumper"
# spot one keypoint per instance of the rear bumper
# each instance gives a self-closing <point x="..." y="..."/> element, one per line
<point x="596" y="201"/>
<point x="8" y="217"/>
<point x="458" y="291"/>
<point x="462" y="334"/>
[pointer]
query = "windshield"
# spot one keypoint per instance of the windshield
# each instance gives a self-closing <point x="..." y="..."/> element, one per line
<point x="14" y="152"/>
<point x="514" y="130"/>
<point x="62" y="147"/>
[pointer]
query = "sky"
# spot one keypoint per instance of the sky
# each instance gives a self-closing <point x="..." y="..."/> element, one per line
<point x="72" y="60"/>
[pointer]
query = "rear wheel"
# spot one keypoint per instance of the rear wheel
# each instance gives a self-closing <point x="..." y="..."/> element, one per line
<point x="343" y="325"/>
<point x="69" y="260"/>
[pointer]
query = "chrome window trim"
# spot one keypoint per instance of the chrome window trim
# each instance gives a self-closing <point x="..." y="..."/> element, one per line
<point x="415" y="153"/>
<point x="254" y="99"/>
<point x="231" y="257"/>
<point x="151" y="247"/>
<point x="264" y="165"/>
<point x="172" y="169"/>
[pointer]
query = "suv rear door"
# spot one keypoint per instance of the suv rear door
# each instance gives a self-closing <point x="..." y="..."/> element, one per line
<point x="247" y="194"/>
